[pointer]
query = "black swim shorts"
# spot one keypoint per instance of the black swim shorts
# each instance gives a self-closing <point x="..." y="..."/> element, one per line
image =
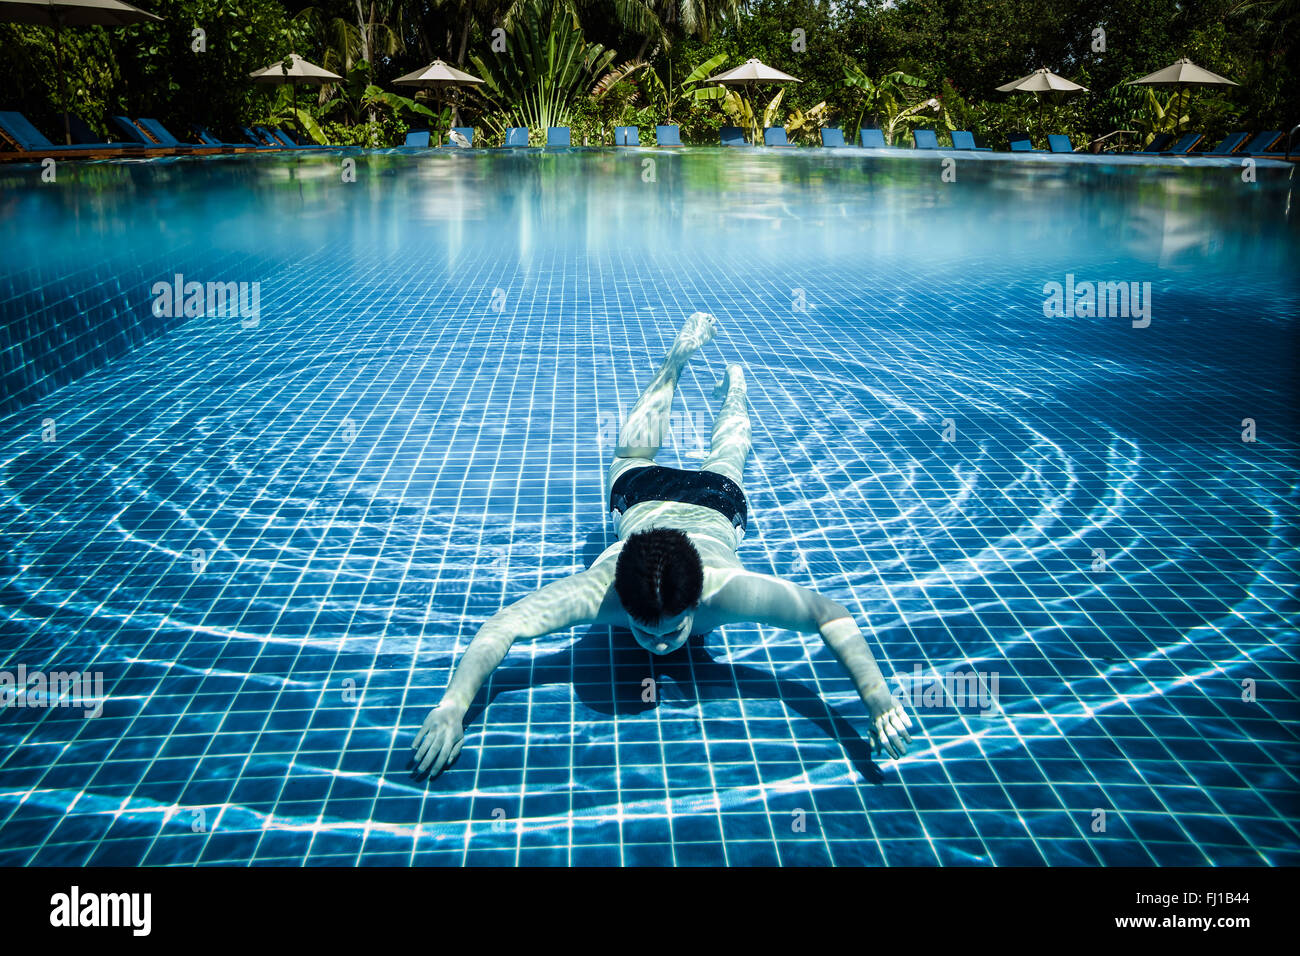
<point x="657" y="483"/>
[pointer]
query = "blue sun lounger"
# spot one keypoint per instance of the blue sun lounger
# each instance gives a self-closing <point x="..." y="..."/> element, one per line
<point x="29" y="139"/>
<point x="517" y="136"/>
<point x="258" y="140"/>
<point x="965" y="140"/>
<point x="1184" y="145"/>
<point x="925" y="139"/>
<point x="138" y="133"/>
<point x="466" y="131"/>
<point x="208" y="139"/>
<point x="557" y="137"/>
<point x="833" y="137"/>
<point x="668" y="136"/>
<point x="1264" y="145"/>
<point x="158" y="131"/>
<point x="416" y="137"/>
<point x="1021" y="143"/>
<point x="132" y="132"/>
<point x="732" y="136"/>
<point x="278" y="133"/>
<point x="627" y="136"/>
<point x="1059" y="143"/>
<point x="872" y="138"/>
<point x="153" y="135"/>
<point x="165" y="138"/>
<point x="272" y="138"/>
<point x="1227" y="146"/>
<point x="83" y="135"/>
<point x="775" y="136"/>
<point x="1160" y="141"/>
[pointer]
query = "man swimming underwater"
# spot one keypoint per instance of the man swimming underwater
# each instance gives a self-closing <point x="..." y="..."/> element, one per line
<point x="673" y="572"/>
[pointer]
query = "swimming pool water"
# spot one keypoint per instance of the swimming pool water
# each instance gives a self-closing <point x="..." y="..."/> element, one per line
<point x="274" y="538"/>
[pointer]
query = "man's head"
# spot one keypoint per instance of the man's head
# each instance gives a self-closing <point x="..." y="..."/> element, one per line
<point x="659" y="578"/>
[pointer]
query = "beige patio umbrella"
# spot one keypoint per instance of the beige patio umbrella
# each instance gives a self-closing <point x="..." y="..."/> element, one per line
<point x="750" y="74"/>
<point x="1181" y="73"/>
<point x="439" y="76"/>
<point x="293" y="69"/>
<point x="1041" y="81"/>
<point x="71" y="13"/>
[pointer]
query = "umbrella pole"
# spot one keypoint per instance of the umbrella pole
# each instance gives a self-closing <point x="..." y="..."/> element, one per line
<point x="297" y="125"/>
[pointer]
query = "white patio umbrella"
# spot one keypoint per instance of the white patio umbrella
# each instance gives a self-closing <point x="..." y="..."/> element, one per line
<point x="293" y="69"/>
<point x="439" y="76"/>
<point x="750" y="74"/>
<point x="71" y="13"/>
<point x="1179" y="74"/>
<point x="1041" y="81"/>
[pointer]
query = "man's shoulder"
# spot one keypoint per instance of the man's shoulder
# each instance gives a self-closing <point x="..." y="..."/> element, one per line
<point x="606" y="560"/>
<point x="723" y="583"/>
<point x="767" y="599"/>
<point x="739" y="590"/>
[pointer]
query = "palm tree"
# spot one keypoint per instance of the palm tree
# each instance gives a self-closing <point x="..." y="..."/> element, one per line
<point x="1276" y="19"/>
<point x="546" y="66"/>
<point x="486" y="14"/>
<point x="346" y="45"/>
<point x="696" y="17"/>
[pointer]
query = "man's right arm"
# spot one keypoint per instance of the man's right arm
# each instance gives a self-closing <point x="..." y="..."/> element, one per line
<point x="573" y="600"/>
<point x="556" y="607"/>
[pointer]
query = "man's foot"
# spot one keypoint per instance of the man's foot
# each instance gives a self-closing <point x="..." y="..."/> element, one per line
<point x="695" y="334"/>
<point x="733" y="380"/>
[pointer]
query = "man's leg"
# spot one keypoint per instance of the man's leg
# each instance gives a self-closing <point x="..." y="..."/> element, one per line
<point x="730" y="443"/>
<point x="641" y="435"/>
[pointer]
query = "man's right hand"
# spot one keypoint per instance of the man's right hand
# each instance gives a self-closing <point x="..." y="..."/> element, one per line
<point x="890" y="723"/>
<point x="440" y="738"/>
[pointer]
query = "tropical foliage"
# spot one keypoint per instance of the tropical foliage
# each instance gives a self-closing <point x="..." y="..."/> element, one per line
<point x="545" y="65"/>
<point x="1160" y="114"/>
<point x="593" y="64"/>
<point x="663" y="95"/>
<point x="894" y="103"/>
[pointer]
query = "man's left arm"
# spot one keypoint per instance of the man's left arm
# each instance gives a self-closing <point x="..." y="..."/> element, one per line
<point x="769" y="600"/>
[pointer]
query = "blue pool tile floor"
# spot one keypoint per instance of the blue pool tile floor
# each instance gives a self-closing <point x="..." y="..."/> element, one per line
<point x="274" y="543"/>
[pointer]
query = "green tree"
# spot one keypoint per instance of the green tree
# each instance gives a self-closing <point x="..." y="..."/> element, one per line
<point x="159" y="69"/>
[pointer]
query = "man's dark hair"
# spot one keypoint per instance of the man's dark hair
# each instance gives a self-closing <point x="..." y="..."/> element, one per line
<point x="659" y="574"/>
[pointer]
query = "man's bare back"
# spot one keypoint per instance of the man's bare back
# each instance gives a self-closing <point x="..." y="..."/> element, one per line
<point x="728" y="594"/>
